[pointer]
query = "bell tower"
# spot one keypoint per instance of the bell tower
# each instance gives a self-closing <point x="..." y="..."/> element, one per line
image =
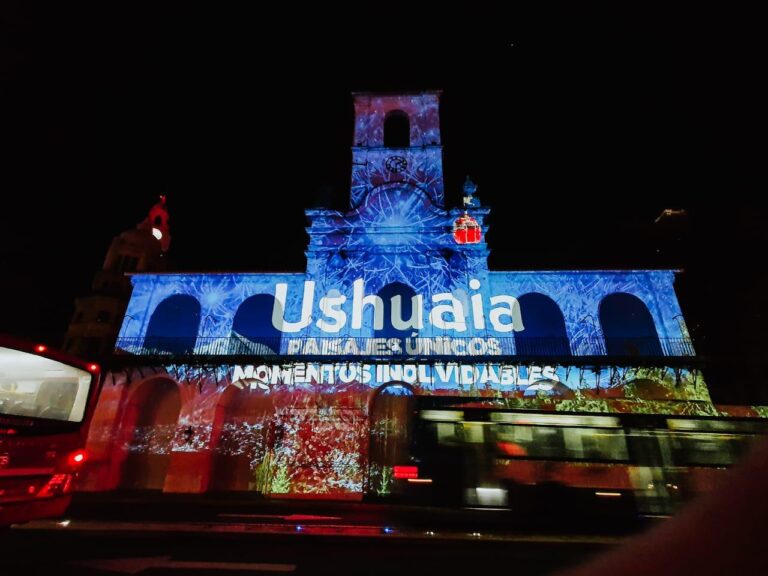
<point x="98" y="317"/>
<point x="397" y="231"/>
<point x="397" y="140"/>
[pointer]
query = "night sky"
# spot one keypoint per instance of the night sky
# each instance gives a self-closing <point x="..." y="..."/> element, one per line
<point x="578" y="124"/>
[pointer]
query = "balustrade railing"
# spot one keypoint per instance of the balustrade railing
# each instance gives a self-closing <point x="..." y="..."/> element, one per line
<point x="405" y="347"/>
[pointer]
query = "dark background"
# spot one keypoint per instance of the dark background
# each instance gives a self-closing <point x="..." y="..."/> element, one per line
<point x="579" y="124"/>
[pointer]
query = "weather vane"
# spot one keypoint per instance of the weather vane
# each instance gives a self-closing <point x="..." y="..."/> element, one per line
<point x="470" y="189"/>
<point x="466" y="229"/>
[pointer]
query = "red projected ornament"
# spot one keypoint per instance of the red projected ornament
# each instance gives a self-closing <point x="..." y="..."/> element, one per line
<point x="466" y="230"/>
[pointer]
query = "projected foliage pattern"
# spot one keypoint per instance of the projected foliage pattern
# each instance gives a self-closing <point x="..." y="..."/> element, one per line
<point x="312" y="437"/>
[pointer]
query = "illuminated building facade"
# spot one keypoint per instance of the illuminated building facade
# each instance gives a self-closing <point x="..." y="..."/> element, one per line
<point x="301" y="384"/>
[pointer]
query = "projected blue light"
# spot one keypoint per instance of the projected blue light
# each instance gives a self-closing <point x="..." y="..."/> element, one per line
<point x="583" y="315"/>
<point x="387" y="277"/>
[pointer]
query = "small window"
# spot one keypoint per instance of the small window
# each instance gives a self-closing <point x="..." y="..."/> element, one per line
<point x="397" y="130"/>
<point x="127" y="263"/>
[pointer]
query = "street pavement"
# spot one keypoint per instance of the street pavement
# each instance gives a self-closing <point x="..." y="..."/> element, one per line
<point x="151" y="534"/>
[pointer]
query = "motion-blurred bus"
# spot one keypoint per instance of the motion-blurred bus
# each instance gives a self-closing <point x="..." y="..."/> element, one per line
<point x="636" y="464"/>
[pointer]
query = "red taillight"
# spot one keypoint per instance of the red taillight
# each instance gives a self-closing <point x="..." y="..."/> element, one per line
<point x="93" y="367"/>
<point x="77" y="458"/>
<point x="58" y="484"/>
<point x="40" y="348"/>
<point x="400" y="472"/>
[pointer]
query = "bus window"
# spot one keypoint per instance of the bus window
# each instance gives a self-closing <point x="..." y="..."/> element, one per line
<point x="562" y="443"/>
<point x="708" y="449"/>
<point x="38" y="387"/>
<point x="722" y="425"/>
